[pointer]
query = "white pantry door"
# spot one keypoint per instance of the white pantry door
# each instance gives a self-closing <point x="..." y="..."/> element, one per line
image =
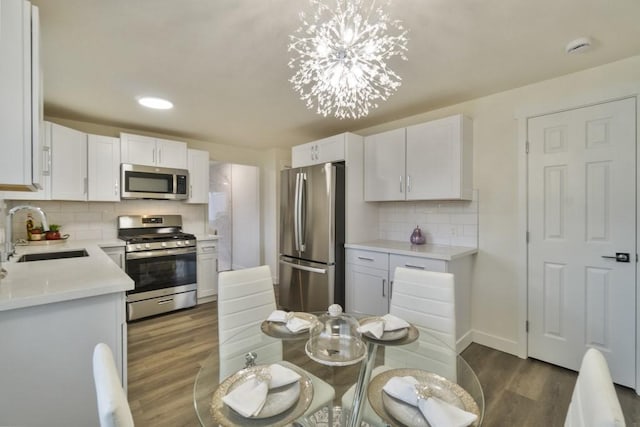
<point x="582" y="212"/>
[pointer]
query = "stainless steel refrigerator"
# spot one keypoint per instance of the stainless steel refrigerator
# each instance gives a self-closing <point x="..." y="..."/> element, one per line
<point x="312" y="217"/>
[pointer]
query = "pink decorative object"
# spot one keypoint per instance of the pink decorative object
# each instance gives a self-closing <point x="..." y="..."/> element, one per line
<point x="417" y="238"/>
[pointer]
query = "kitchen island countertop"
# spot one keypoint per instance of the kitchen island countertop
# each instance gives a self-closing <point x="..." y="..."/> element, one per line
<point x="441" y="252"/>
<point x="43" y="282"/>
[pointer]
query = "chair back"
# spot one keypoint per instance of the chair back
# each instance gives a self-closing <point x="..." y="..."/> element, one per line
<point x="113" y="407"/>
<point x="594" y="401"/>
<point x="245" y="298"/>
<point x="425" y="299"/>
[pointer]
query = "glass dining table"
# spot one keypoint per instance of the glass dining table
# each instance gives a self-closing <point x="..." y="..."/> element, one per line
<point x="358" y="399"/>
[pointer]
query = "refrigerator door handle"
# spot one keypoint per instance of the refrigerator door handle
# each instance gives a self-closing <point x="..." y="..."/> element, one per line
<point x="296" y="213"/>
<point x="304" y="267"/>
<point x="302" y="221"/>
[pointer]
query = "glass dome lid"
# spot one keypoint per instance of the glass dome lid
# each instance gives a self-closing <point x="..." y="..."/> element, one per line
<point x="334" y="339"/>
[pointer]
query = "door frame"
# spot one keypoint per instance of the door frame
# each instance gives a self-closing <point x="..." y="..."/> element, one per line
<point x="522" y="116"/>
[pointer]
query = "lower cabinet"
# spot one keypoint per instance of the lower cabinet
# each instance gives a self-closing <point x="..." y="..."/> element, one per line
<point x="47" y="351"/>
<point x="207" y="270"/>
<point x="369" y="284"/>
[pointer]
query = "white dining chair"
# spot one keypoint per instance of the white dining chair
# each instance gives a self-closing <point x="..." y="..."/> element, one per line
<point x="246" y="297"/>
<point x="594" y="402"/>
<point x="426" y="299"/>
<point x="113" y="407"/>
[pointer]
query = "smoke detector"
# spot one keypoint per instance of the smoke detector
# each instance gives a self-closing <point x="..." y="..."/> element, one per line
<point x="579" y="45"/>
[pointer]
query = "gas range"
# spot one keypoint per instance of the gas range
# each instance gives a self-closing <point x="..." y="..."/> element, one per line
<point x="162" y="261"/>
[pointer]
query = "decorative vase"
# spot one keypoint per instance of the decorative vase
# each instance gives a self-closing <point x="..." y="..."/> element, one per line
<point x="417" y="238"/>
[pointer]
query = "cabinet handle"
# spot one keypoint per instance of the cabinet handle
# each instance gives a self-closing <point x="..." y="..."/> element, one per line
<point x="364" y="258"/>
<point x="408" y="183"/>
<point x="153" y="156"/>
<point x="165" y="301"/>
<point x="159" y="156"/>
<point x="384" y="282"/>
<point x="390" y="289"/>
<point x="419" y="267"/>
<point x="115" y="192"/>
<point x="46" y="151"/>
<point x="401" y="183"/>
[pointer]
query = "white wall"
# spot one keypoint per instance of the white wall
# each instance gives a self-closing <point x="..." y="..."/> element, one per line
<point x="497" y="277"/>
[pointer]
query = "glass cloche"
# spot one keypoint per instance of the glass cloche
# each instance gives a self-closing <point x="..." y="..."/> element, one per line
<point x="334" y="339"/>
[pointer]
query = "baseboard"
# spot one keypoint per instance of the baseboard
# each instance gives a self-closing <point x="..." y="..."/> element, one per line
<point x="210" y="298"/>
<point x="495" y="342"/>
<point x="464" y="342"/>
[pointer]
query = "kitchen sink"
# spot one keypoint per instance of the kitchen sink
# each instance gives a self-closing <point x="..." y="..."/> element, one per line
<point x="53" y="255"/>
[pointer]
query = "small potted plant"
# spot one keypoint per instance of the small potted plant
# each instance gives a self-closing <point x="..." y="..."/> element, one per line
<point x="53" y="233"/>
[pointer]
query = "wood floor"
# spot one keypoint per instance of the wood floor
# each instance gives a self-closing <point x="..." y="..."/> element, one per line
<point x="165" y="351"/>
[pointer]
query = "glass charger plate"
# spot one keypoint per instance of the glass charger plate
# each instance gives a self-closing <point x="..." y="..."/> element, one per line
<point x="398" y="337"/>
<point x="279" y="330"/>
<point x="398" y="413"/>
<point x="284" y="404"/>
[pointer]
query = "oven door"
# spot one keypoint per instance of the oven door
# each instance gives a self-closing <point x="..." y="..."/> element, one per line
<point x="161" y="269"/>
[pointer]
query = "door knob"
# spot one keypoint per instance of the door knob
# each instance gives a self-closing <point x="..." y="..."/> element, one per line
<point x="620" y="257"/>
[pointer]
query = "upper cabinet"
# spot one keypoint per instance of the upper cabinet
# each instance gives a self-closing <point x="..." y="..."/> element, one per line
<point x="325" y="150"/>
<point x="429" y="161"/>
<point x="149" y="151"/>
<point x="68" y="163"/>
<point x="21" y="100"/>
<point x="103" y="168"/>
<point x="198" y="176"/>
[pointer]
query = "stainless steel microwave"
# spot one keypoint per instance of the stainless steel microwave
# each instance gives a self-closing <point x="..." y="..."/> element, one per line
<point x="151" y="182"/>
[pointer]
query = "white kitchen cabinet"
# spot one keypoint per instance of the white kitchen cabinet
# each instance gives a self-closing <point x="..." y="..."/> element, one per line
<point x="368" y="271"/>
<point x="428" y="161"/>
<point x="198" y="161"/>
<point x="68" y="163"/>
<point x="384" y="166"/>
<point x="326" y="150"/>
<point x="207" y="270"/>
<point x="21" y="99"/>
<point x="103" y="168"/>
<point x="367" y="282"/>
<point x="440" y="159"/>
<point x="46" y="369"/>
<point x="116" y="253"/>
<point x="149" y="151"/>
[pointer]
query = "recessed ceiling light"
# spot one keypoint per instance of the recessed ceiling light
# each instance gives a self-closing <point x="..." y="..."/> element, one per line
<point x="156" y="103"/>
<point x="578" y="45"/>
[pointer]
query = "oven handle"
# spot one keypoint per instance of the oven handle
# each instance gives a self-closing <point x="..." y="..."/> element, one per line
<point x="160" y="252"/>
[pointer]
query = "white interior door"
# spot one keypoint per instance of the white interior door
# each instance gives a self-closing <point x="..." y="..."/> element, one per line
<point x="582" y="211"/>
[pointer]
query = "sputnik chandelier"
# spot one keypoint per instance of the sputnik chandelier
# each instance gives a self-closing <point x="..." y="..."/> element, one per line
<point x="340" y="57"/>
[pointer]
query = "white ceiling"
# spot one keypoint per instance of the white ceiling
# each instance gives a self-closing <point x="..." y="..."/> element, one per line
<point x="224" y="62"/>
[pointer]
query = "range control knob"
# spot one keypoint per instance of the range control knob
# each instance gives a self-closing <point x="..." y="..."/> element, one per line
<point x="179" y="243"/>
<point x="138" y="246"/>
<point x="146" y="245"/>
<point x="164" y="244"/>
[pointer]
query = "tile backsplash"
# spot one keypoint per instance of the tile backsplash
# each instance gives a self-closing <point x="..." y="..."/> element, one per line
<point x="451" y="222"/>
<point x="98" y="220"/>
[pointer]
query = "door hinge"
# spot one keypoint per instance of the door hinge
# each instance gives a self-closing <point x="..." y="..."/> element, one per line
<point x="526" y="147"/>
<point x="526" y="326"/>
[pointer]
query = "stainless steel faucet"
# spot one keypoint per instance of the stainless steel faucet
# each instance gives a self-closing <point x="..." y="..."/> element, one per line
<point x="8" y="229"/>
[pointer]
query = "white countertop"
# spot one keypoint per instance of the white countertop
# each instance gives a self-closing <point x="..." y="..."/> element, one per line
<point x="202" y="237"/>
<point x="44" y="282"/>
<point x="446" y="253"/>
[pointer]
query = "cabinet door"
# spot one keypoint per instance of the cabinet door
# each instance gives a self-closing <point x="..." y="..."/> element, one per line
<point x="384" y="166"/>
<point x="438" y="160"/>
<point x="103" y="167"/>
<point x="207" y="274"/>
<point x="138" y="149"/>
<point x="68" y="163"/>
<point x="198" y="176"/>
<point x="367" y="290"/>
<point x="330" y="149"/>
<point x="17" y="145"/>
<point x="171" y="154"/>
<point x="303" y="155"/>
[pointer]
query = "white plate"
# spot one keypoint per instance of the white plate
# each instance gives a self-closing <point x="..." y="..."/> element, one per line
<point x="283" y="405"/>
<point x="396" y="412"/>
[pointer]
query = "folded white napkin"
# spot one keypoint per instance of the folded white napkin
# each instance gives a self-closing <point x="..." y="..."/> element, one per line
<point x="391" y="322"/>
<point x="375" y="328"/>
<point x="436" y="411"/>
<point x="249" y="398"/>
<point x="388" y="322"/>
<point x="280" y="316"/>
<point x="296" y="324"/>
